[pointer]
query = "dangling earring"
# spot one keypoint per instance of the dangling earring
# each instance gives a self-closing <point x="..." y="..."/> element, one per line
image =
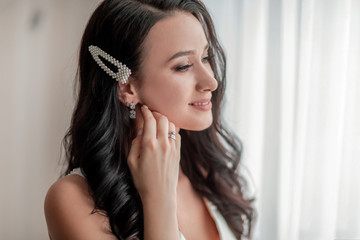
<point x="132" y="111"/>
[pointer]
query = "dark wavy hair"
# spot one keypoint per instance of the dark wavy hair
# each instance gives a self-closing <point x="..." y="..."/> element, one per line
<point x="100" y="135"/>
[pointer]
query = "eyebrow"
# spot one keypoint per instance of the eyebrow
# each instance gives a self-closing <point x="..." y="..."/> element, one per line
<point x="185" y="53"/>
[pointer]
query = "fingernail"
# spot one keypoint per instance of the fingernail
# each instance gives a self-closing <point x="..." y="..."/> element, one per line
<point x="145" y="106"/>
<point x="140" y="132"/>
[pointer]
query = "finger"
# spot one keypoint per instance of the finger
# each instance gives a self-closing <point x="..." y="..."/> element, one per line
<point x="149" y="130"/>
<point x="178" y="145"/>
<point x="162" y="126"/>
<point x="172" y="130"/>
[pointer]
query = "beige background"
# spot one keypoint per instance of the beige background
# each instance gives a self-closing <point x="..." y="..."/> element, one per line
<point x="39" y="42"/>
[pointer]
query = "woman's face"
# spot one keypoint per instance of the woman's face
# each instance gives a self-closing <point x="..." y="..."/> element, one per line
<point x="175" y="72"/>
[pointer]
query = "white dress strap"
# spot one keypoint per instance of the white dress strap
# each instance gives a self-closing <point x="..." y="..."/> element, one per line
<point x="221" y="224"/>
<point x="181" y="236"/>
<point x="77" y="171"/>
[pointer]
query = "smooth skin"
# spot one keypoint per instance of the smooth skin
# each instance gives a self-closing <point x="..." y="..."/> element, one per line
<point x="157" y="188"/>
<point x="167" y="87"/>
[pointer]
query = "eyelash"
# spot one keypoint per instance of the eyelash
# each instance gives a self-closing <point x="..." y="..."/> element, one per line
<point x="185" y="67"/>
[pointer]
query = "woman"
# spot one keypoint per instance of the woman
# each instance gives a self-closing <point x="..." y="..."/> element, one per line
<point x="148" y="155"/>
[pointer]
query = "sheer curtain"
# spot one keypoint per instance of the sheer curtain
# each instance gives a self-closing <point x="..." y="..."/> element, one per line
<point x="294" y="99"/>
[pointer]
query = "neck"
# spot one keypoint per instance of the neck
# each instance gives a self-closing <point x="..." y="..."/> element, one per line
<point x="181" y="175"/>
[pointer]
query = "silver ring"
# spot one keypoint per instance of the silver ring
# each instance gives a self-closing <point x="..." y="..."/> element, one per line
<point x="172" y="135"/>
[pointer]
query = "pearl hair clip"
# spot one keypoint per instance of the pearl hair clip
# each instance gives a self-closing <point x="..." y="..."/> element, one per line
<point x="123" y="72"/>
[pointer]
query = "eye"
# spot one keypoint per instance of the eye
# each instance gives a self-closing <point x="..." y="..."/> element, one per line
<point x="183" y="68"/>
<point x="207" y="58"/>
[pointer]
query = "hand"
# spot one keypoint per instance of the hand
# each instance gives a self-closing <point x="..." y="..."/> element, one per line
<point x="154" y="158"/>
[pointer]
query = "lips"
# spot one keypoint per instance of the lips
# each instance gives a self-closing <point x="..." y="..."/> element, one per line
<point x="201" y="102"/>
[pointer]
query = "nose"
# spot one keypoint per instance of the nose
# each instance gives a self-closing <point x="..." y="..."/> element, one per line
<point x="205" y="79"/>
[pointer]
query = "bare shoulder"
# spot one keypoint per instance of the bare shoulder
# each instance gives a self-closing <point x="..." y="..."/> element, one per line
<point x="68" y="210"/>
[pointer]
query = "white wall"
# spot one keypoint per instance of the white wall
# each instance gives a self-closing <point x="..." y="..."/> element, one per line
<point x="38" y="49"/>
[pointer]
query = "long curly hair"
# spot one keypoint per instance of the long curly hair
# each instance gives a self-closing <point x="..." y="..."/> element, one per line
<point x="99" y="137"/>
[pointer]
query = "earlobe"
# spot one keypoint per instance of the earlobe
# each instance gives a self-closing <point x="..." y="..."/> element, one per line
<point x="128" y="92"/>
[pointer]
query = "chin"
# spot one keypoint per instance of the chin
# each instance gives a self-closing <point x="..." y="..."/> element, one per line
<point x="197" y="126"/>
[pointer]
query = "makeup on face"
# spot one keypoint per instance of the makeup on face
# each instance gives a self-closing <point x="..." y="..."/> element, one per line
<point x="179" y="79"/>
<point x="183" y="67"/>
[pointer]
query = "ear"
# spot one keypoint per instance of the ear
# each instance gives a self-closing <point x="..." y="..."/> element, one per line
<point x="128" y="92"/>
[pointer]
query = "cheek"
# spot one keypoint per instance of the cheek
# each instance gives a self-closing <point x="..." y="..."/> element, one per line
<point x="165" y="93"/>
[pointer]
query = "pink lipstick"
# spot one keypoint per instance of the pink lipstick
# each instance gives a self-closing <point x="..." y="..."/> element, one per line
<point x="203" y="104"/>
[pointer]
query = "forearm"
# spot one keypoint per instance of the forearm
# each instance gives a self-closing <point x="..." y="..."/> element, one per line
<point x="160" y="220"/>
